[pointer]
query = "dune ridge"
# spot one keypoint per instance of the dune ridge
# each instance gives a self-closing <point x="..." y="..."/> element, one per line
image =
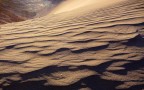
<point x="101" y="49"/>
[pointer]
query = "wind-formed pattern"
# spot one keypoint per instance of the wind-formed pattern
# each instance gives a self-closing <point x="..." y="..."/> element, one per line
<point x="94" y="50"/>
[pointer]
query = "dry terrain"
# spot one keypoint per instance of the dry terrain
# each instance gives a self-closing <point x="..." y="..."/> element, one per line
<point x="85" y="48"/>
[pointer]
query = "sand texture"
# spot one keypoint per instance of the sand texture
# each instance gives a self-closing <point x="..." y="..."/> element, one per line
<point x="80" y="49"/>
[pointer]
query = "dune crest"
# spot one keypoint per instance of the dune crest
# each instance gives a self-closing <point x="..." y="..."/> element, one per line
<point x="69" y="5"/>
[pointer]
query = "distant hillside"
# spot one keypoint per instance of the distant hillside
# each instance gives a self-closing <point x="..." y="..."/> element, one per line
<point x="8" y="16"/>
<point x="19" y="10"/>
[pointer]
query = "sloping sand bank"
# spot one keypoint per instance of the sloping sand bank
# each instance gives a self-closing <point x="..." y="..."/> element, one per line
<point x="96" y="49"/>
<point x="69" y="5"/>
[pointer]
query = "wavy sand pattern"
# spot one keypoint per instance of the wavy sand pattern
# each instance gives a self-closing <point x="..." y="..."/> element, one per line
<point x="93" y="49"/>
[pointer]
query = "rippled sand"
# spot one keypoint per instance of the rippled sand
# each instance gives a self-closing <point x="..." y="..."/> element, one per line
<point x="89" y="47"/>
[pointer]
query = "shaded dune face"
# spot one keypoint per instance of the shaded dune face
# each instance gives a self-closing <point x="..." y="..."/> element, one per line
<point x="18" y="10"/>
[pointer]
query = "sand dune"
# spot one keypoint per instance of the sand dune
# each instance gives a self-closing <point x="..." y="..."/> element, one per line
<point x="94" y="49"/>
<point x="69" y="5"/>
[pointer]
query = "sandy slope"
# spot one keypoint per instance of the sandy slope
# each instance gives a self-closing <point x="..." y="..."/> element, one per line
<point x="69" y="5"/>
<point x="99" y="49"/>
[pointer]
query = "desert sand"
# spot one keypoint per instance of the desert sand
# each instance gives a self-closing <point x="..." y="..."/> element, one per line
<point x="69" y="5"/>
<point x="95" y="45"/>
